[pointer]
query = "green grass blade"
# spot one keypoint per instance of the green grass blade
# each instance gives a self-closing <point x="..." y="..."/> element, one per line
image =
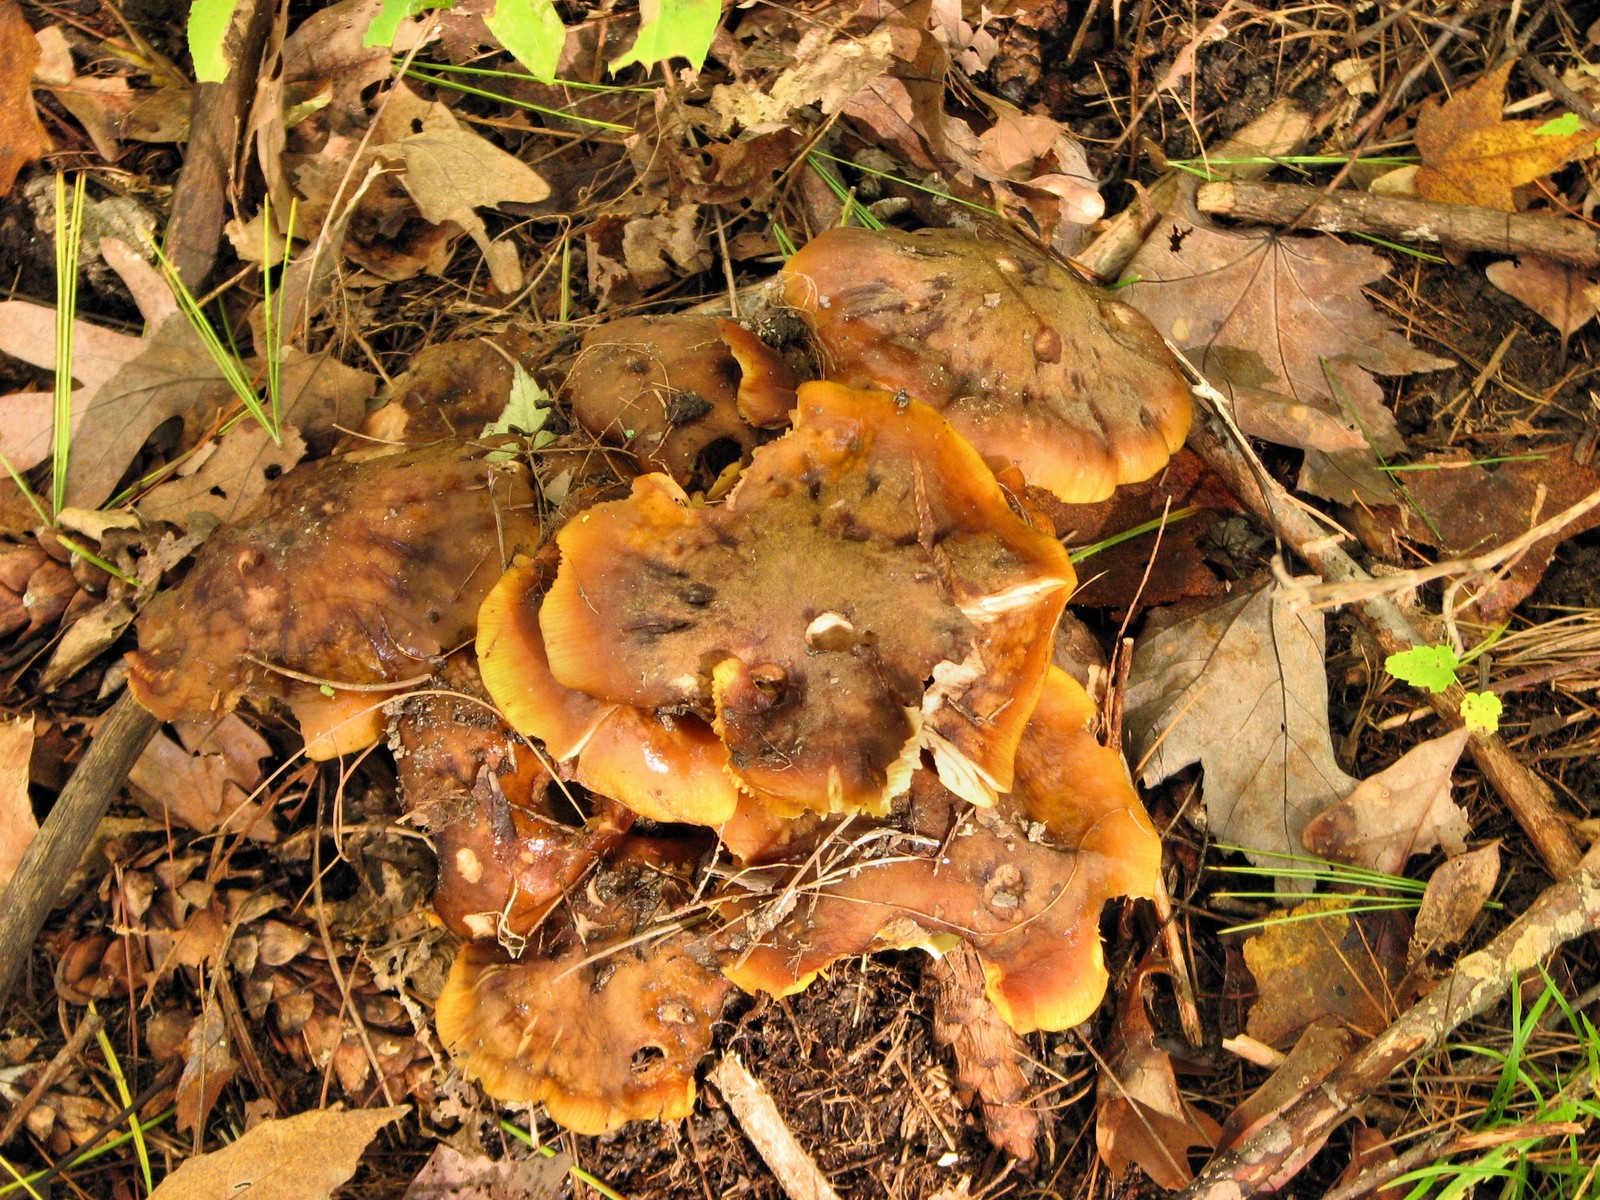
<point x="125" y="1094"/>
<point x="69" y="234"/>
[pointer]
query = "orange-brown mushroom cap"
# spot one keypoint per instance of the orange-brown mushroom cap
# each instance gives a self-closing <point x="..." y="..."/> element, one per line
<point x="866" y="591"/>
<point x="687" y="394"/>
<point x="1035" y="367"/>
<point x="603" y="1030"/>
<point x="349" y="572"/>
<point x="664" y="767"/>
<point x="1026" y="892"/>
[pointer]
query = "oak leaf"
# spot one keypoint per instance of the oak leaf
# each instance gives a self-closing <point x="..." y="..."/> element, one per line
<point x="1567" y="297"/>
<point x="22" y="138"/>
<point x="1240" y="688"/>
<point x="1471" y="156"/>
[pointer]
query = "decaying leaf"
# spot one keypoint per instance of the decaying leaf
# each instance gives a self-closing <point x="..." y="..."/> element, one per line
<point x="304" y="1157"/>
<point x="451" y="1175"/>
<point x="1240" y="688"/>
<point x="1280" y="323"/>
<point x="1455" y="895"/>
<point x="1140" y="1118"/>
<point x="208" y="1065"/>
<point x="1317" y="962"/>
<point x="1465" y="509"/>
<point x="1563" y="295"/>
<point x="451" y="173"/>
<point x="1471" y="156"/>
<point x="22" y="138"/>
<point x="17" y="823"/>
<point x="229" y="479"/>
<point x="207" y="784"/>
<point x="1403" y="810"/>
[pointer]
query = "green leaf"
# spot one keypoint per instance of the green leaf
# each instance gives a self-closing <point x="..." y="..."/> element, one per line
<point x="387" y="23"/>
<point x="1481" y="711"/>
<point x="673" y="29"/>
<point x="208" y="30"/>
<point x="533" y="33"/>
<point x="527" y="409"/>
<point x="1431" y="668"/>
<point x="1563" y="126"/>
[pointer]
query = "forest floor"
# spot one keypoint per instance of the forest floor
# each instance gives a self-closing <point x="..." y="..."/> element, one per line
<point x="1370" y="229"/>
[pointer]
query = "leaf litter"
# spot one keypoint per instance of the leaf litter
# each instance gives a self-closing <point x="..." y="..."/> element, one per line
<point x="394" y="179"/>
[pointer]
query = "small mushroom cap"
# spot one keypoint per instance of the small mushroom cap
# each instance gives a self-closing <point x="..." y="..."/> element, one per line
<point x="602" y="1030"/>
<point x="1031" y="908"/>
<point x="862" y="555"/>
<point x="1035" y="367"/>
<point x="350" y="572"/>
<point x="687" y="394"/>
<point x="664" y="767"/>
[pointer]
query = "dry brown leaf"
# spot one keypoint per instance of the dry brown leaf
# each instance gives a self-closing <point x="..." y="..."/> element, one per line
<point x="208" y="1065"/>
<point x="304" y="1157"/>
<point x="1317" y="962"/>
<point x="1563" y="295"/>
<point x="85" y="639"/>
<point x="17" y="823"/>
<point x="827" y="70"/>
<point x="1465" y="509"/>
<point x="1471" y="156"/>
<point x="229" y="479"/>
<point x="451" y="1175"/>
<point x="22" y="138"/>
<point x="205" y="791"/>
<point x="1403" y="810"/>
<point x="1455" y="895"/>
<point x="1281" y="324"/>
<point x="1140" y="1118"/>
<point x="1239" y="687"/>
<point x="451" y="173"/>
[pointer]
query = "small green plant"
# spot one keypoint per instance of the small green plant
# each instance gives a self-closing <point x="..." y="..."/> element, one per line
<point x="527" y="409"/>
<point x="1433" y="669"/>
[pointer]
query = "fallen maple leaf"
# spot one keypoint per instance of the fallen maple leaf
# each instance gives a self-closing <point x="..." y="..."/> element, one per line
<point x="1563" y="295"/>
<point x="304" y="1157"/>
<point x="1240" y="688"/>
<point x="1280" y="323"/>
<point x="17" y="823"/>
<point x="1403" y="810"/>
<point x="22" y="138"/>
<point x="1471" y="156"/>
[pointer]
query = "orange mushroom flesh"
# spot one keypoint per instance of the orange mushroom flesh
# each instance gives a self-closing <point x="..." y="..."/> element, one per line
<point x="688" y="394"/>
<point x="1033" y="366"/>
<point x="865" y="592"/>
<point x="664" y="767"/>
<point x="603" y="1027"/>
<point x="1023" y="883"/>
<point x="511" y="840"/>
<point x="358" y="573"/>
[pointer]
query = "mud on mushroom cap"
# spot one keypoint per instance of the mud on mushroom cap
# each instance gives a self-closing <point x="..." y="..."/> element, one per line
<point x="1035" y="367"/>
<point x="866" y="592"/>
<point x="357" y="572"/>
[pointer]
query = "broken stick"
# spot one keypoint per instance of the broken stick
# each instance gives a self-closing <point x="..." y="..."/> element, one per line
<point x="752" y="1105"/>
<point x="1417" y="222"/>
<point x="1566" y="910"/>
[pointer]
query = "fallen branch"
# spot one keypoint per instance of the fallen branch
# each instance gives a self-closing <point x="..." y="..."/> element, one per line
<point x="1566" y="910"/>
<point x="758" y="1116"/>
<point x="1417" y="222"/>
<point x="55" y="850"/>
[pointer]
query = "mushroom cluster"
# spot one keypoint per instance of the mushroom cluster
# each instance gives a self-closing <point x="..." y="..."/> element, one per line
<point x="809" y="650"/>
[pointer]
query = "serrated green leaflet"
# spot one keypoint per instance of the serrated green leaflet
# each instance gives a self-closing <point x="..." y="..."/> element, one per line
<point x="1481" y="711"/>
<point x="673" y="29"/>
<point x="1431" y="668"/>
<point x="533" y="33"/>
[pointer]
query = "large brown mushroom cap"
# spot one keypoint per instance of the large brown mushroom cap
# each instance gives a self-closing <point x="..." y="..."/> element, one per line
<point x="687" y="394"/>
<point x="360" y="573"/>
<point x="1023" y="884"/>
<point x="604" y="1028"/>
<point x="865" y="592"/>
<point x="1035" y="367"/>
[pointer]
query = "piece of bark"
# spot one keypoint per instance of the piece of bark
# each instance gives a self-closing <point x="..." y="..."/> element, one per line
<point x="66" y="832"/>
<point x="1566" y="910"/>
<point x="988" y="1054"/>
<point x="1417" y="222"/>
<point x="758" y="1116"/>
<point x="200" y="200"/>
